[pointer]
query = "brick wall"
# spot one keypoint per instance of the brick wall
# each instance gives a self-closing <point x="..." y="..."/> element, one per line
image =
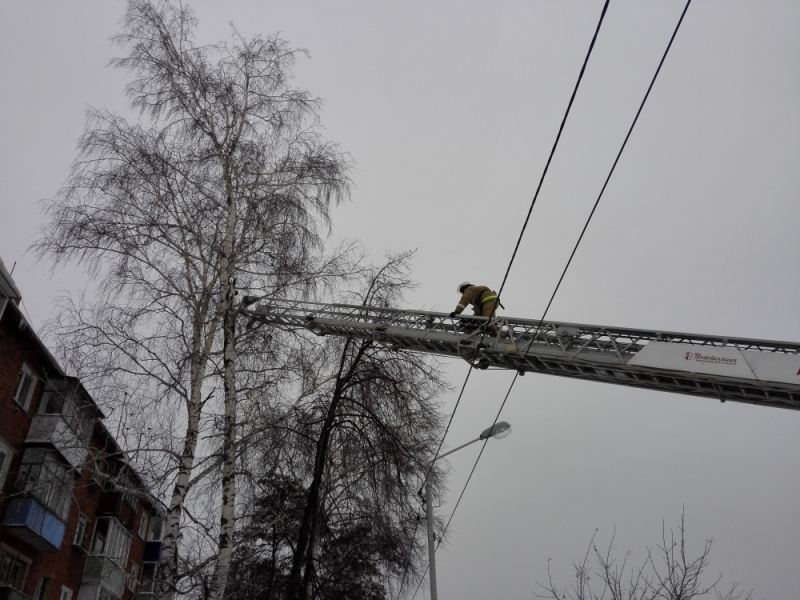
<point x="65" y="567"/>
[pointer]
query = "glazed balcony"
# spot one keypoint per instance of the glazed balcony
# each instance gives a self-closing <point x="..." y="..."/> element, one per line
<point x="114" y="504"/>
<point x="53" y="429"/>
<point x="103" y="572"/>
<point x="32" y="522"/>
<point x="152" y="552"/>
<point x="146" y="591"/>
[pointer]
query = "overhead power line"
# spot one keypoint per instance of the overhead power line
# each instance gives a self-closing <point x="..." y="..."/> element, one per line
<point x="544" y="173"/>
<point x="553" y="149"/>
<point x="516" y="248"/>
<point x="574" y="250"/>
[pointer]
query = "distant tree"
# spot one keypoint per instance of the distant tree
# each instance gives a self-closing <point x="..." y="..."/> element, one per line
<point x="353" y="554"/>
<point x="667" y="573"/>
<point x="223" y="184"/>
<point x="341" y="521"/>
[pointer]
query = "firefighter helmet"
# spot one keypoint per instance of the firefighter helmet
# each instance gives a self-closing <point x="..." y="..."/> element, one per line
<point x="461" y="286"/>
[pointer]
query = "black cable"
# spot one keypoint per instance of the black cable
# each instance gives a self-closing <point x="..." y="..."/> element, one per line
<point x="536" y="195"/>
<point x="563" y="273"/>
<point x="616" y="160"/>
<point x="553" y="150"/>
<point x="514" y="254"/>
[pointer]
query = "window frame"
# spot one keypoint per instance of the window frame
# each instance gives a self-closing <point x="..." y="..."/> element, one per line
<point x="25" y="372"/>
<point x="144" y="524"/>
<point x="81" y="543"/>
<point x="17" y="557"/>
<point x="41" y="588"/>
<point x="5" y="466"/>
<point x="132" y="582"/>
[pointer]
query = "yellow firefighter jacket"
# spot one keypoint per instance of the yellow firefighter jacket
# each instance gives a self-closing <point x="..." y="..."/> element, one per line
<point x="477" y="295"/>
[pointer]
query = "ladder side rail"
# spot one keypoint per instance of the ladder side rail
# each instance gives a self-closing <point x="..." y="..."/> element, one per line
<point x="720" y="388"/>
<point x="593" y="360"/>
<point x="526" y="325"/>
<point x="601" y="338"/>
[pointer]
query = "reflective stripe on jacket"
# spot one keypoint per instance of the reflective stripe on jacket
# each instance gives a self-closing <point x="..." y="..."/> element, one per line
<point x="475" y="295"/>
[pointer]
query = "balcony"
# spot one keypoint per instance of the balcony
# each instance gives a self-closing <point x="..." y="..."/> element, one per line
<point x="95" y="591"/>
<point x="30" y="521"/>
<point x="146" y="591"/>
<point x="53" y="429"/>
<point x="152" y="552"/>
<point x="113" y="503"/>
<point x="104" y="572"/>
<point x="9" y="593"/>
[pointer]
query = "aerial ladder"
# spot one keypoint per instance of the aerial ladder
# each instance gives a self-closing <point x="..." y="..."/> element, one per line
<point x="761" y="372"/>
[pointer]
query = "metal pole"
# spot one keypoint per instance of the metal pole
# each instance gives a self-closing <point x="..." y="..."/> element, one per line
<point x="431" y="540"/>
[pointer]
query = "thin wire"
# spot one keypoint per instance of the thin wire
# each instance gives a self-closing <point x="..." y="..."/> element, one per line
<point x="513" y="256"/>
<point x="421" y="580"/>
<point x="553" y="150"/>
<point x="547" y="165"/>
<point x="616" y="160"/>
<point x="516" y="375"/>
<point x="533" y="202"/>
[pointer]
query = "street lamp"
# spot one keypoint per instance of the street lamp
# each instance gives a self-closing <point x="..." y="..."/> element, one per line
<point x="497" y="431"/>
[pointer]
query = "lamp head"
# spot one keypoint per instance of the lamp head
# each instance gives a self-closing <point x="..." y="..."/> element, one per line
<point x="497" y="431"/>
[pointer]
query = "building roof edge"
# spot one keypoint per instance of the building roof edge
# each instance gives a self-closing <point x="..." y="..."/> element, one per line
<point x="7" y="285"/>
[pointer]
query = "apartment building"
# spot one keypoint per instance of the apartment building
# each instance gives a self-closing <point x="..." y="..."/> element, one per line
<point x="76" y="520"/>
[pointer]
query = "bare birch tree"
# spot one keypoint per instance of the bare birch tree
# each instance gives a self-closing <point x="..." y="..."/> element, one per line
<point x="223" y="184"/>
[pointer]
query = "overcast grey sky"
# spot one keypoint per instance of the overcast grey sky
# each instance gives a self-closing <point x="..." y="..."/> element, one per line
<point x="449" y="110"/>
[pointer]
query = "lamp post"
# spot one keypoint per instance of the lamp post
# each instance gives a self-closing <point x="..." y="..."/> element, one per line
<point x="497" y="431"/>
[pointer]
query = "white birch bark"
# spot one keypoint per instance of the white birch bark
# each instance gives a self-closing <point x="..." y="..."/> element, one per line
<point x="227" y="302"/>
<point x="168" y="572"/>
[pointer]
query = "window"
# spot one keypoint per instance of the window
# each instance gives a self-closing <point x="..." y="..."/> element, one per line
<point x="144" y="524"/>
<point x="48" y="479"/>
<point x="133" y="578"/>
<point x="41" y="588"/>
<point x="6" y="454"/>
<point x="80" y="532"/>
<point x="24" y="388"/>
<point x="13" y="567"/>
<point x="156" y="523"/>
<point x="66" y="593"/>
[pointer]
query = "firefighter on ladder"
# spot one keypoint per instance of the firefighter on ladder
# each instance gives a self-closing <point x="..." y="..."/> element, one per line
<point x="484" y="301"/>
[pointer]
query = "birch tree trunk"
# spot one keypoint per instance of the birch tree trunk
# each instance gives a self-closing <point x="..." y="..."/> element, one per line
<point x="169" y="572"/>
<point x="227" y="307"/>
<point x="225" y="176"/>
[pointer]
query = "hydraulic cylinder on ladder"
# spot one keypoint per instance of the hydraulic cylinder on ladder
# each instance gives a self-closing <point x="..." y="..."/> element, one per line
<point x="743" y="370"/>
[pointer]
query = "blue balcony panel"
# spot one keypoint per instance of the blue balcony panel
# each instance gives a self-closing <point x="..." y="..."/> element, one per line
<point x="30" y="521"/>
